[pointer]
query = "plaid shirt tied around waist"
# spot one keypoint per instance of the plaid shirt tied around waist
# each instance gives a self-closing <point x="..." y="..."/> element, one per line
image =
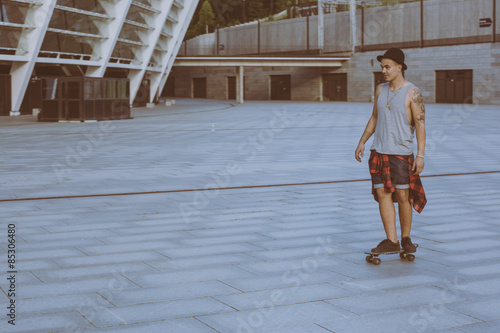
<point x="379" y="164"/>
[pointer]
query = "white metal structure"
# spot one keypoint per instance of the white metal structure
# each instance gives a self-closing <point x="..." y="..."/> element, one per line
<point x="93" y="36"/>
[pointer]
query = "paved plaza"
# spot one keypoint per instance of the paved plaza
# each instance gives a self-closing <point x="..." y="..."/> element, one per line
<point x="207" y="216"/>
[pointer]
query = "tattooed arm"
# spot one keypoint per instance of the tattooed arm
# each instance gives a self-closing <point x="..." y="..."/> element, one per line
<point x="417" y="108"/>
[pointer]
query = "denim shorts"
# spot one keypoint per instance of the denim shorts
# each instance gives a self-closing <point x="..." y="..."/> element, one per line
<point x="400" y="174"/>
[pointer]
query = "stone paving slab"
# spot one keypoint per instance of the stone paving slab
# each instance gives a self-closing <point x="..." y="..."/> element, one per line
<point x="402" y="321"/>
<point x="150" y="312"/>
<point x="274" y="317"/>
<point x="279" y="259"/>
<point x="283" y="296"/>
<point x="185" y="325"/>
<point x="489" y="326"/>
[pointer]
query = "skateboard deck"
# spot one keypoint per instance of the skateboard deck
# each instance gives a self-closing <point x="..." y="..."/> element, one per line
<point x="373" y="258"/>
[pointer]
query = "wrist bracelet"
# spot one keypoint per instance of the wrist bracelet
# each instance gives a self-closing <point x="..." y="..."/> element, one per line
<point x="420" y="156"/>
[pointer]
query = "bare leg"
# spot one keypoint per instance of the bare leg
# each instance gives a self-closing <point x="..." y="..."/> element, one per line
<point x="387" y="213"/>
<point x="405" y="212"/>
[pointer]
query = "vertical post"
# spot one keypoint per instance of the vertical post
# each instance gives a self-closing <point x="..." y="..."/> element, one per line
<point x="321" y="27"/>
<point x="239" y="84"/>
<point x="2" y="19"/>
<point x="308" y="46"/>
<point x="258" y="37"/>
<point x="363" y="26"/>
<point x="218" y="40"/>
<point x="494" y="21"/>
<point x="421" y="23"/>
<point x="352" y="9"/>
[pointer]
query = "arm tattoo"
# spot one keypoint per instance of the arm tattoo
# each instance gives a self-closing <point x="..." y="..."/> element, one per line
<point x="418" y="99"/>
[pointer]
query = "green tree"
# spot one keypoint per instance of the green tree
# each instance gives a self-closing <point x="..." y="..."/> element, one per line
<point x="225" y="13"/>
<point x="230" y="12"/>
<point x="255" y="10"/>
<point x="206" y="18"/>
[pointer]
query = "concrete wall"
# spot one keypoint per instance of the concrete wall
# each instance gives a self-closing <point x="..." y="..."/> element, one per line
<point x="306" y="82"/>
<point x="482" y="58"/>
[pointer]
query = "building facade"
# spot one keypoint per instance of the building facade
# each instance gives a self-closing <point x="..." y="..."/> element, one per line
<point x="133" y="39"/>
<point x="452" y="49"/>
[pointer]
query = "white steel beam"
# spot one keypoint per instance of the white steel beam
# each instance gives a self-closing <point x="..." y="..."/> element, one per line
<point x="136" y="77"/>
<point x="110" y="28"/>
<point x="174" y="44"/>
<point x="39" y="17"/>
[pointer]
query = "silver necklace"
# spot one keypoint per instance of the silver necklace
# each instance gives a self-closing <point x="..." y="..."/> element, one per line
<point x="389" y="100"/>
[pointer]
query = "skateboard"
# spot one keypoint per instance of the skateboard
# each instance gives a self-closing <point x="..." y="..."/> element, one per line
<point x="373" y="258"/>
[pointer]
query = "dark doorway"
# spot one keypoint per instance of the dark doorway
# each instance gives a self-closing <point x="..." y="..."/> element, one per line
<point x="169" y="89"/>
<point x="231" y="87"/>
<point x="454" y="86"/>
<point x="71" y="99"/>
<point x="335" y="87"/>
<point x="379" y="78"/>
<point x="142" y="97"/>
<point x="200" y="87"/>
<point x="33" y="97"/>
<point x="5" y="95"/>
<point x="281" y="87"/>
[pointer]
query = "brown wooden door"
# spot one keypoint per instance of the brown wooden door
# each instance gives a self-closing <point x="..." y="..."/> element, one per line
<point x="5" y="95"/>
<point x="200" y="87"/>
<point x="231" y="87"/>
<point x="281" y="87"/>
<point x="454" y="86"/>
<point x="335" y="87"/>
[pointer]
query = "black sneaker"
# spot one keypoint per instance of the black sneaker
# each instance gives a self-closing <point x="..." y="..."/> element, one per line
<point x="407" y="245"/>
<point x="387" y="246"/>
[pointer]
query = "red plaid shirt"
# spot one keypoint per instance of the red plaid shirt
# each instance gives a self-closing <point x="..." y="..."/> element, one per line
<point x="379" y="164"/>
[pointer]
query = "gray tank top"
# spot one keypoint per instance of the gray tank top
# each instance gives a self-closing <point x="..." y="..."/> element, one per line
<point x="393" y="133"/>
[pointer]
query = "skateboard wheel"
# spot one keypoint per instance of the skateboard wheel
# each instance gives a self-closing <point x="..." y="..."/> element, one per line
<point x="369" y="259"/>
<point x="402" y="255"/>
<point x="376" y="261"/>
<point x="410" y="257"/>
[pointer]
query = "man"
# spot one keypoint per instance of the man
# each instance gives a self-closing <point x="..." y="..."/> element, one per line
<point x="398" y="113"/>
